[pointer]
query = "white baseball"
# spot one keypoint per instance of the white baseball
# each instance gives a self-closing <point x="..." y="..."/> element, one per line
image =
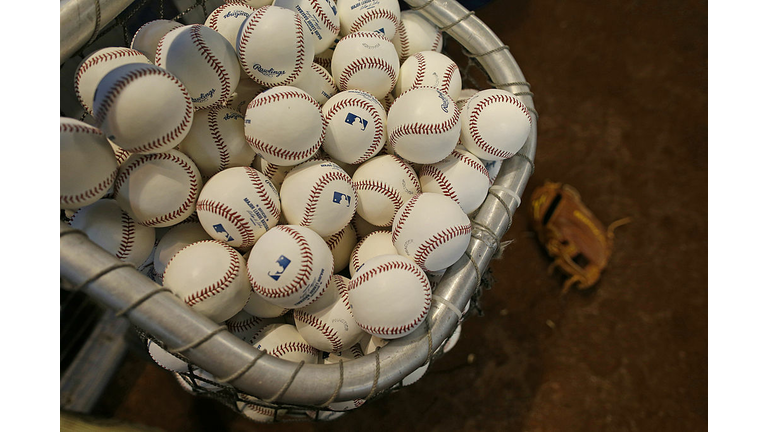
<point x="435" y="277"/>
<point x="284" y="342"/>
<point x="274" y="46"/>
<point x="374" y="244"/>
<point x="319" y="195"/>
<point x="210" y="277"/>
<point x="355" y="352"/>
<point x="284" y="125"/>
<point x="341" y="245"/>
<point x="160" y="189"/>
<point x="324" y="58"/>
<point x="363" y="227"/>
<point x="237" y="206"/>
<point x="120" y="154"/>
<point x="429" y="69"/>
<point x="461" y="176"/>
<point x="415" y="375"/>
<point x="217" y="141"/>
<point x="177" y="238"/>
<point x="379" y="16"/>
<point x="87" y="164"/>
<point x="147" y="36"/>
<point x="246" y="90"/>
<point x="494" y="124"/>
<point x="107" y="225"/>
<point x="383" y="184"/>
<point x="327" y="324"/>
<point x="356" y="126"/>
<point x="94" y="67"/>
<point x="387" y="101"/>
<point x="203" y="60"/>
<point x="248" y="327"/>
<point x="135" y="122"/>
<point x="275" y="173"/>
<point x="390" y="296"/>
<point x="464" y="96"/>
<point x="259" y="307"/>
<point x="415" y="34"/>
<point x="432" y="230"/>
<point x="290" y="266"/>
<point x="166" y="360"/>
<point x="258" y="413"/>
<point x="452" y="340"/>
<point x="228" y="18"/>
<point x="320" y="17"/>
<point x="423" y="125"/>
<point x="317" y="82"/>
<point x="365" y="61"/>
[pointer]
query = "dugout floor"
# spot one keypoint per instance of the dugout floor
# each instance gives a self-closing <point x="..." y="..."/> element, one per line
<point x="621" y="90"/>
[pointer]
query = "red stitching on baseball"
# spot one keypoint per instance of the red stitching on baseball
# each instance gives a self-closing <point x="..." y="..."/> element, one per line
<point x="324" y="62"/>
<point x="370" y="15"/>
<point x="214" y="16"/>
<point x="383" y="188"/>
<point x="218" y="286"/>
<point x="473" y="118"/>
<point x="133" y="40"/>
<point x="120" y="84"/>
<point x="323" y="17"/>
<point x="126" y="170"/>
<point x="421" y="128"/>
<point x="421" y="68"/>
<point x="218" y="141"/>
<point x="245" y="35"/>
<point x="472" y="163"/>
<point x="260" y="409"/>
<point x="212" y="61"/>
<point x="299" y="55"/>
<point x="317" y="189"/>
<point x="128" y="232"/>
<point x="335" y="239"/>
<point x="378" y="134"/>
<point x="261" y="191"/>
<point x="91" y="61"/>
<point x="438" y="40"/>
<point x="365" y="34"/>
<point x="302" y="277"/>
<point x="424" y="249"/>
<point x="410" y="171"/>
<point x="445" y="185"/>
<point x="320" y="326"/>
<point x="366" y="63"/>
<point x="448" y="76"/>
<point x="405" y="48"/>
<point x="324" y="74"/>
<point x="355" y="256"/>
<point x="232" y="217"/>
<point x="406" y="212"/>
<point x="286" y="348"/>
<point x="239" y="326"/>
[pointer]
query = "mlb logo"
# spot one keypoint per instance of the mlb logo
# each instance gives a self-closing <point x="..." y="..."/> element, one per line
<point x="219" y="228"/>
<point x="278" y="268"/>
<point x="338" y="197"/>
<point x="352" y="119"/>
<point x="381" y="30"/>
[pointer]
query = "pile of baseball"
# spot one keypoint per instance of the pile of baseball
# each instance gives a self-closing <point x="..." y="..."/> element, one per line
<point x="302" y="171"/>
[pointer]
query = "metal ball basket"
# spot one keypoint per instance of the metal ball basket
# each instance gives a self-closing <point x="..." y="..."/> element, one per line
<point x="240" y="369"/>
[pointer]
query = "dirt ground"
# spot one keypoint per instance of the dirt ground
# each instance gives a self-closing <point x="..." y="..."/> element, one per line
<point x="621" y="90"/>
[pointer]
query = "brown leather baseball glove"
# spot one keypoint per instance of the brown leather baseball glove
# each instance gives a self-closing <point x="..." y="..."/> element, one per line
<point x="571" y="234"/>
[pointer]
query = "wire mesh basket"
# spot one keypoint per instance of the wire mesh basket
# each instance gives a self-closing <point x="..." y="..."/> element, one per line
<point x="238" y="374"/>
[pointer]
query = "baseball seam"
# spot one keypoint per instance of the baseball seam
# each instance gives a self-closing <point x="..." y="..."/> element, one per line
<point x="249" y="25"/>
<point x="370" y="15"/>
<point x="335" y="239"/>
<point x="474" y="131"/>
<point x="222" y="210"/>
<point x="382" y="188"/>
<point x="213" y="18"/>
<point x="366" y="63"/>
<point x="442" y="237"/>
<point x="472" y="164"/>
<point x="378" y="133"/>
<point x="355" y="256"/>
<point x="218" y="286"/>
<point x="320" y="13"/>
<point x="218" y="141"/>
<point x="128" y="231"/>
<point x="261" y="191"/>
<point x="410" y="172"/>
<point x="405" y="48"/>
<point x="448" y="76"/>
<point x="442" y="181"/>
<point x="213" y="61"/>
<point x="421" y="68"/>
<point x="286" y="348"/>
<point x="403" y="216"/>
<point x="91" y="61"/>
<point x="302" y="277"/>
<point x="419" y="128"/>
<point x="330" y="334"/>
<point x="239" y="326"/>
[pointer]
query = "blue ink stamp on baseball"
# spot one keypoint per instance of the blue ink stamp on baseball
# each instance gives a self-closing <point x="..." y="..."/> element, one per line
<point x="339" y="197"/>
<point x="352" y="119"/>
<point x="279" y="267"/>
<point x="219" y="228"/>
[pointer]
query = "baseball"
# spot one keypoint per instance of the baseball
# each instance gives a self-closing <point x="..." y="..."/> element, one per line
<point x="363" y="227"/>
<point x="415" y="34"/>
<point x="210" y="277"/>
<point x="341" y="245"/>
<point x="244" y="93"/>
<point x="494" y="124"/>
<point x="159" y="189"/>
<point x="261" y="308"/>
<point x="452" y="340"/>
<point x="275" y="173"/>
<point x="432" y="230"/>
<point x="227" y="20"/>
<point x="107" y="225"/>
<point x="319" y="16"/>
<point x="365" y="61"/>
<point x="319" y="195"/>
<point x="493" y="167"/>
<point x="217" y="141"/>
<point x="177" y="238"/>
<point x="203" y="60"/>
<point x="248" y="327"/>
<point x="147" y="36"/>
<point x="379" y="16"/>
<point x="390" y="296"/>
<point x="461" y="176"/>
<point x="356" y="126"/>
<point x="374" y="244"/>
<point x="135" y="122"/>
<point x="284" y="342"/>
<point x="290" y="266"/>
<point x="324" y="58"/>
<point x="328" y="324"/>
<point x="354" y="352"/>
<point x="274" y="46"/>
<point x="423" y="125"/>
<point x="464" y="96"/>
<point x="317" y="82"/>
<point x="237" y="206"/>
<point x="166" y="360"/>
<point x="430" y="69"/>
<point x="284" y="125"/>
<point x="87" y="164"/>
<point x="94" y="67"/>
<point x="383" y="184"/>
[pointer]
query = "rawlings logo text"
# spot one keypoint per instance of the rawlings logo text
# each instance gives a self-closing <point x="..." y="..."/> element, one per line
<point x="204" y="96"/>
<point x="271" y="72"/>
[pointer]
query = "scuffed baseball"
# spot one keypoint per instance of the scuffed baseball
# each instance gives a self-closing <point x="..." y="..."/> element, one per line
<point x="374" y="244"/>
<point x="94" y="67"/>
<point x="461" y="176"/>
<point x="365" y="61"/>
<point x="383" y="184"/>
<point x="87" y="164"/>
<point x="379" y="16"/>
<point x="237" y="206"/>
<point x="135" y="122"/>
<point x="327" y="324"/>
<point x="415" y="34"/>
<point x="432" y="230"/>
<point x="319" y="16"/>
<point x="290" y="266"/>
<point x="159" y="189"/>
<point x="430" y="69"/>
<point x="147" y="36"/>
<point x="356" y="126"/>
<point x="494" y="124"/>
<point x="107" y="225"/>
<point x="390" y="296"/>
